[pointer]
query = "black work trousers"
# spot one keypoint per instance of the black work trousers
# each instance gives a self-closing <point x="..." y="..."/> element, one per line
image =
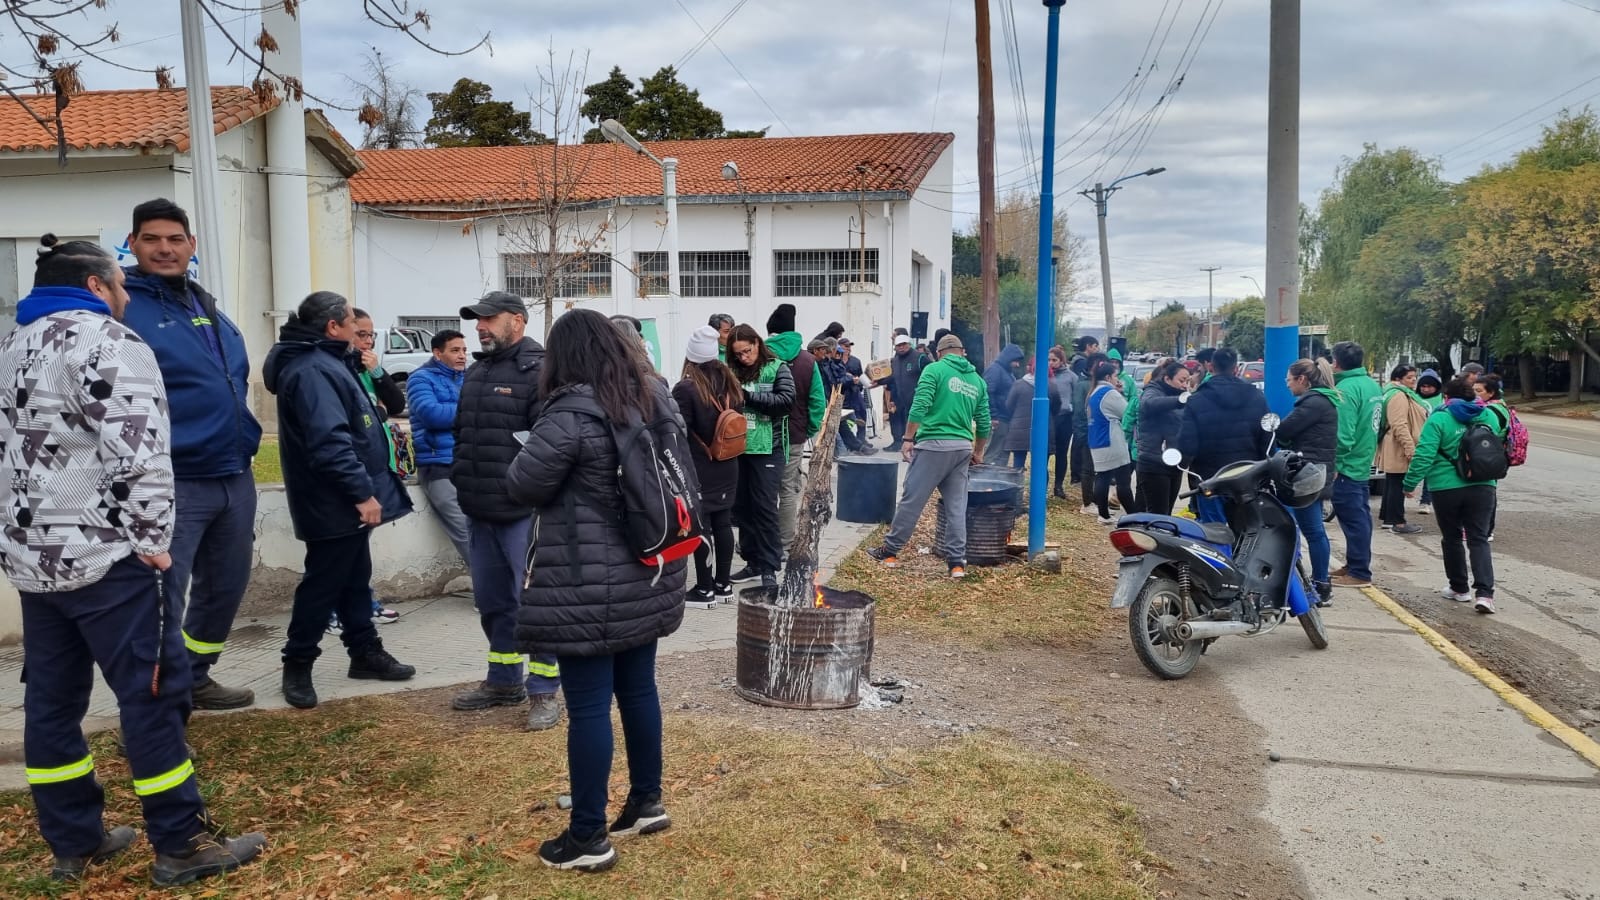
<point x="1467" y="509"/>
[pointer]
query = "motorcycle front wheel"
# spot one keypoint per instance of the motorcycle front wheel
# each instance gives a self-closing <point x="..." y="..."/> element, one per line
<point x="1311" y="621"/>
<point x="1158" y="608"/>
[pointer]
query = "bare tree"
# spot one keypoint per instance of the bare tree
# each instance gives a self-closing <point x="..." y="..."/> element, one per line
<point x="552" y="242"/>
<point x="59" y="37"/>
<point x="388" y="106"/>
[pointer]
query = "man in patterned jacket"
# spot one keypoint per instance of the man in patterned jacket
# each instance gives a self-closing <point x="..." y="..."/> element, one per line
<point x="86" y="497"/>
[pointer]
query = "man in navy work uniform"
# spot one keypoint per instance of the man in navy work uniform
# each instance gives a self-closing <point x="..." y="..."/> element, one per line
<point x="214" y="436"/>
<point x="85" y="530"/>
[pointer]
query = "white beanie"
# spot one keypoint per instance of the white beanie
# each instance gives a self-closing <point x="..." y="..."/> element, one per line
<point x="702" y="345"/>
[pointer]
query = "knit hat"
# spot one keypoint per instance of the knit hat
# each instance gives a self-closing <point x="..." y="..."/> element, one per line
<point x="702" y="345"/>
<point x="1430" y="375"/>
<point x="782" y="319"/>
<point x="950" y="342"/>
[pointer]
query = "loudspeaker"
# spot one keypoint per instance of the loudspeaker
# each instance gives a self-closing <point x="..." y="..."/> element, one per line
<point x="919" y="326"/>
<point x="1119" y="344"/>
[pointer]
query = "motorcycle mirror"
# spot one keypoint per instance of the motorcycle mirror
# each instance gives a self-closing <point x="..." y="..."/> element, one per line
<point x="1171" y="456"/>
<point x="1184" y="398"/>
<point x="1269" y="422"/>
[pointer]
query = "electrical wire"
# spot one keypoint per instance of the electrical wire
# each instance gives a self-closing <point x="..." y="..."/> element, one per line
<point x="938" y="84"/>
<point x="705" y="38"/>
<point x="735" y="67"/>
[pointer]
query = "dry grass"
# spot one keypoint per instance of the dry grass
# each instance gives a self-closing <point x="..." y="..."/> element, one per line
<point x="996" y="606"/>
<point x="374" y="798"/>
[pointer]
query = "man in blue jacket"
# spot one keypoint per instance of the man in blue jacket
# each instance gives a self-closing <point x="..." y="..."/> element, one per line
<point x="1000" y="377"/>
<point x="432" y="394"/>
<point x="337" y="477"/>
<point x="206" y="372"/>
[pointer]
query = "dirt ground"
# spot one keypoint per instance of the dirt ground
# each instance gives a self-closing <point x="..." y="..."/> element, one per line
<point x="1177" y="751"/>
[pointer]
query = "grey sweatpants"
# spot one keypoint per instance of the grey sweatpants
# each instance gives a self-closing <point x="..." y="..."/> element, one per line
<point x="789" y="495"/>
<point x="947" y="471"/>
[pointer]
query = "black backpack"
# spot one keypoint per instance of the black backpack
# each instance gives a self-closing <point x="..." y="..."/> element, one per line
<point x="1481" y="455"/>
<point x="660" y="491"/>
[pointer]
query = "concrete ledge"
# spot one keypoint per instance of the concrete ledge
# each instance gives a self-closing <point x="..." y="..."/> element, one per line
<point x="411" y="558"/>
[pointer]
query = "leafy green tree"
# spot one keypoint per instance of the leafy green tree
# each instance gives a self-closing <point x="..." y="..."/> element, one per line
<point x="468" y="116"/>
<point x="1246" y="321"/>
<point x="1405" y="288"/>
<point x="661" y="108"/>
<point x="1573" y="141"/>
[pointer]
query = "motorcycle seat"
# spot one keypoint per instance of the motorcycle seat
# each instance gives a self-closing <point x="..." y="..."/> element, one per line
<point x="1211" y="532"/>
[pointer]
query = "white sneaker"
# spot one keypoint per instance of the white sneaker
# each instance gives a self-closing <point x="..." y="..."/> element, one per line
<point x="1089" y="511"/>
<point x="1425" y="509"/>
<point x="1105" y="520"/>
<point x="1484" y="605"/>
<point x="1462" y="597"/>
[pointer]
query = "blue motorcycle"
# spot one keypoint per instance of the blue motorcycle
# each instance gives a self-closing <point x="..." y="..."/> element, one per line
<point x="1187" y="583"/>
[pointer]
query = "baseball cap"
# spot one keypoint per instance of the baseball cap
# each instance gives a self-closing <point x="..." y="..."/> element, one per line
<point x="950" y="342"/>
<point x="902" y="340"/>
<point x="846" y="342"/>
<point x="493" y="303"/>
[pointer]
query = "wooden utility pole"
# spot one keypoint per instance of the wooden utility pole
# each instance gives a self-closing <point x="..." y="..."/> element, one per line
<point x="990" y="271"/>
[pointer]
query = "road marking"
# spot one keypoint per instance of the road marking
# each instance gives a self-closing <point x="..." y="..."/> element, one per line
<point x="1580" y="743"/>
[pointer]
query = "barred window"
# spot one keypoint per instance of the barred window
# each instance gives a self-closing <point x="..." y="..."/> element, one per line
<point x="818" y="273"/>
<point x="581" y="275"/>
<point x="709" y="273"/>
<point x="431" y="324"/>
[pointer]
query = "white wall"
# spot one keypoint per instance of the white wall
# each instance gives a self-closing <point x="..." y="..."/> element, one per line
<point x="930" y="232"/>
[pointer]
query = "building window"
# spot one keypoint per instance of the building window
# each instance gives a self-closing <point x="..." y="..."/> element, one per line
<point x="431" y="324"/>
<point x="818" y="273"/>
<point x="581" y="275"/>
<point x="709" y="273"/>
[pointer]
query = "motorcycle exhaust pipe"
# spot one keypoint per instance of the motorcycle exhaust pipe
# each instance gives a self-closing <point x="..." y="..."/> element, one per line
<point x="1199" y="631"/>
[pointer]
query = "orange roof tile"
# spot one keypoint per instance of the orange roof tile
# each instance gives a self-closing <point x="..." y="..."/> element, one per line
<point x="121" y="120"/>
<point x="491" y="177"/>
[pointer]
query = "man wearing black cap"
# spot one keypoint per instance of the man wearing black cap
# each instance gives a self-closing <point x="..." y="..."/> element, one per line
<point x="499" y="401"/>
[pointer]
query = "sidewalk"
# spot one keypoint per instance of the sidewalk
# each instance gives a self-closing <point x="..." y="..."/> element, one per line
<point x="440" y="636"/>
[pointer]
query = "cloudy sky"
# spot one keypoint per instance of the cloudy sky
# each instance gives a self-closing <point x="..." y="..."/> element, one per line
<point x="1465" y="81"/>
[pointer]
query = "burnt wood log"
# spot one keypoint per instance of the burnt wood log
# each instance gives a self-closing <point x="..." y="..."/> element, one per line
<point x="798" y="586"/>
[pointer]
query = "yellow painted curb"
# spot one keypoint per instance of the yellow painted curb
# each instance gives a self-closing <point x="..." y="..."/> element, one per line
<point x="1580" y="743"/>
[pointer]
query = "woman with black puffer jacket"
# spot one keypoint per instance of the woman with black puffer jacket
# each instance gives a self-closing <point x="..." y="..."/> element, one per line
<point x="588" y="599"/>
<point x="769" y="392"/>
<point x="707" y="391"/>
<point x="1312" y="430"/>
<point x="1160" y="414"/>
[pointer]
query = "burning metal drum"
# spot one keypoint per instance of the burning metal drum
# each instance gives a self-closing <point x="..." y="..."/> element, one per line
<point x="813" y="657"/>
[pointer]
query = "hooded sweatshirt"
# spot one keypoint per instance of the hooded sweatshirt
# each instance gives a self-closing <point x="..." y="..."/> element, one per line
<point x="999" y="380"/>
<point x="951" y="397"/>
<point x="1437" y="400"/>
<point x="1222" y="425"/>
<point x="1440" y="444"/>
<point x="1360" y="405"/>
<point x="787" y="346"/>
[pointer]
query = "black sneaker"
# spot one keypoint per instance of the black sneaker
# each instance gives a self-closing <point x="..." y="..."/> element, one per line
<point x="375" y="662"/>
<point x="700" y="598"/>
<point x="745" y="574"/>
<point x="112" y="843"/>
<point x="885" y="556"/>
<point x="566" y="852"/>
<point x="723" y="591"/>
<point x="646" y="816"/>
<point x="210" y="857"/>
<point x="487" y="694"/>
<point x="769" y="583"/>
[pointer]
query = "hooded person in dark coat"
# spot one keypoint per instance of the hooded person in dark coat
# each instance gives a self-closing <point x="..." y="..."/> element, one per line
<point x="708" y="389"/>
<point x="1222" y="425"/>
<point x="336" y="474"/>
<point x="1160" y="415"/>
<point x="589" y="600"/>
<point x="1000" y="378"/>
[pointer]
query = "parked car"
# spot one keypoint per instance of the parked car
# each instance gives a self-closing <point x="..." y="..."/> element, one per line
<point x="402" y="350"/>
<point x="1255" y="373"/>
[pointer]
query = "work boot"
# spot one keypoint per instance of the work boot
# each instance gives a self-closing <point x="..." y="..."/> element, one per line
<point x="208" y="694"/>
<point x="544" y="711"/>
<point x="113" y="842"/>
<point x="297" y="687"/>
<point x="376" y="663"/>
<point x="488" y="694"/>
<point x="209" y="857"/>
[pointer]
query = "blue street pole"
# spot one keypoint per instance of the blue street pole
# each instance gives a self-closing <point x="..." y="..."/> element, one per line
<point x="1044" y="334"/>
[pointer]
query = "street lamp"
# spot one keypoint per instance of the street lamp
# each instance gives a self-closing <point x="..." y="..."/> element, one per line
<point x="1100" y="195"/>
<point x="730" y="172"/>
<point x="613" y="131"/>
<point x="1259" y="291"/>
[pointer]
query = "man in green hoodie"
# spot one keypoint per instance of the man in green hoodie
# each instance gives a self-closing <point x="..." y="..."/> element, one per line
<point x="946" y="432"/>
<point x="1360" y="405"/>
<point x="805" y="417"/>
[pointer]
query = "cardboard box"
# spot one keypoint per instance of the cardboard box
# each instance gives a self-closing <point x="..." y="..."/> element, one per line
<point x="879" y="369"/>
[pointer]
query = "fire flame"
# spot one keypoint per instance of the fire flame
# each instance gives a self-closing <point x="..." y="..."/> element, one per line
<point x="821" y="603"/>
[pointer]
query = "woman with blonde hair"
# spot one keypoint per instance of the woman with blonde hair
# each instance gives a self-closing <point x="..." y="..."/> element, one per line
<point x="1312" y="429"/>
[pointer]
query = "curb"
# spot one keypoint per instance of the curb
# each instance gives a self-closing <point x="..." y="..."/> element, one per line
<point x="1580" y="743"/>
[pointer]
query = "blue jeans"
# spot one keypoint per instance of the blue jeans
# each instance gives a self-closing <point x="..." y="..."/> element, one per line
<point x="499" y="554"/>
<point x="1211" y="509"/>
<point x="213" y="533"/>
<point x="1310" y="521"/>
<point x="1350" y="499"/>
<point x="589" y="682"/>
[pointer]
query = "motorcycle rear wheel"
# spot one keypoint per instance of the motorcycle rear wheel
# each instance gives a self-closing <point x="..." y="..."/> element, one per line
<point x="1158" y="607"/>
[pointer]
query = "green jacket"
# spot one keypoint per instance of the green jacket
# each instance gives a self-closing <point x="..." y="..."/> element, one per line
<point x="1360" y="406"/>
<point x="786" y="346"/>
<point x="1440" y="444"/>
<point x="951" y="396"/>
<point x="759" y="426"/>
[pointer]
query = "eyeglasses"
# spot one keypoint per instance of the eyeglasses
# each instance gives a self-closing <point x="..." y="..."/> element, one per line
<point x="366" y="335"/>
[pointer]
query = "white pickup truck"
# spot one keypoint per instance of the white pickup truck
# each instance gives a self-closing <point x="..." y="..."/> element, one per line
<point x="402" y="350"/>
